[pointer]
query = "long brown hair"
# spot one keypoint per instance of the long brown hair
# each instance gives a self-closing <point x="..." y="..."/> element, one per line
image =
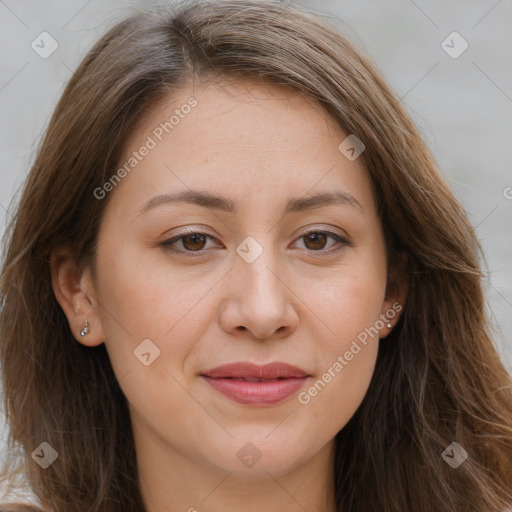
<point x="438" y="377"/>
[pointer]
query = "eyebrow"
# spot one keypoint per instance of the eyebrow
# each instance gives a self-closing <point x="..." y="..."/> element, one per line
<point x="225" y="204"/>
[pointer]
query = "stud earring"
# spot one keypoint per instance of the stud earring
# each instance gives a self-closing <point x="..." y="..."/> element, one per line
<point x="388" y="325"/>
<point x="85" y="329"/>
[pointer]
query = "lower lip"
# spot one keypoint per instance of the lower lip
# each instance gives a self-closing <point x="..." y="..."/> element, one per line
<point x="257" y="393"/>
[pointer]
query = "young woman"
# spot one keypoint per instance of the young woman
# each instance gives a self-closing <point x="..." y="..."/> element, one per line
<point x="236" y="280"/>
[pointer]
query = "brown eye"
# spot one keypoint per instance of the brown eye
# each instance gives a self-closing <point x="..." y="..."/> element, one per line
<point x="315" y="240"/>
<point x="194" y="242"/>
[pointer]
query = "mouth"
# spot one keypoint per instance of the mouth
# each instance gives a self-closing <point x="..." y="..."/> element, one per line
<point x="256" y="385"/>
<point x="245" y="379"/>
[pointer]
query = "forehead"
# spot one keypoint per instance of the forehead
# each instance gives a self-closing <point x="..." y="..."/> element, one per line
<point x="244" y="111"/>
<point x="243" y="137"/>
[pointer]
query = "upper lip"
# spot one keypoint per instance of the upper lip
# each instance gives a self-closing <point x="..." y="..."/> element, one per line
<point x="252" y="371"/>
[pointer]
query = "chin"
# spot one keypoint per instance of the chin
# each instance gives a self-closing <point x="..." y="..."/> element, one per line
<point x="256" y="459"/>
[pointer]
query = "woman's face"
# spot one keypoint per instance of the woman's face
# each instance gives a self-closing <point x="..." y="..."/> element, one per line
<point x="241" y="281"/>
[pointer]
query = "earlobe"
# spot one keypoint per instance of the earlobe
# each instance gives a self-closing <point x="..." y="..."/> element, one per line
<point x="396" y="294"/>
<point x="71" y="285"/>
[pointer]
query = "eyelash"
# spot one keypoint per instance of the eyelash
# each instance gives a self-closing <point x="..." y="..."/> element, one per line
<point x="166" y="244"/>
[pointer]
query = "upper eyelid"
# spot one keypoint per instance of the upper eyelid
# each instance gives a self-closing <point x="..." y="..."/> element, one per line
<point x="204" y="231"/>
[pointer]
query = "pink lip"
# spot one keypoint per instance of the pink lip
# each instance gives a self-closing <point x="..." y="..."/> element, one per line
<point x="229" y="380"/>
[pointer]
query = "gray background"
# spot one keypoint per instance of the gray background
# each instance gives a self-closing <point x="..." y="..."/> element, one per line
<point x="463" y="106"/>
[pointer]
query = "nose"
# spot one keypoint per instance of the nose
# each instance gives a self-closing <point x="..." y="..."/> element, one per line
<point x="258" y="299"/>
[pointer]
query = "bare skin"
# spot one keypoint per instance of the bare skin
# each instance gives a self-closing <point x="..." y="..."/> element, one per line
<point x="299" y="301"/>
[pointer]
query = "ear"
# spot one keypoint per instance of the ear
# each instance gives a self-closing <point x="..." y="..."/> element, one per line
<point x="72" y="286"/>
<point x="396" y="294"/>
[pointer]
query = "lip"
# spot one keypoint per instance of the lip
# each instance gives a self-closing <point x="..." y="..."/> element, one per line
<point x="280" y="381"/>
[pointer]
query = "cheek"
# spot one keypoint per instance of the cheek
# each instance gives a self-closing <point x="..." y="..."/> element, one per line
<point x="140" y="302"/>
<point x="348" y="307"/>
<point x="344" y="375"/>
<point x="346" y="303"/>
<point x="334" y="396"/>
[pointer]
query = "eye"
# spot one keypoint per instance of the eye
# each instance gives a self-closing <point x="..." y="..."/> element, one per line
<point x="193" y="242"/>
<point x="315" y="240"/>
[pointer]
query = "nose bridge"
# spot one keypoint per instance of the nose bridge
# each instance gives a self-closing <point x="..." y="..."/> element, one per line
<point x="261" y="293"/>
<point x="257" y="265"/>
